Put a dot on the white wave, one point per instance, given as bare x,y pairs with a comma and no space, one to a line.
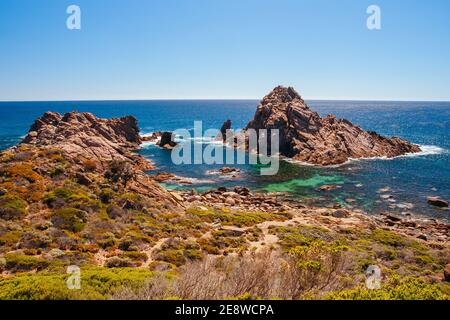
147,144
147,134
199,140
426,150
180,180
429,150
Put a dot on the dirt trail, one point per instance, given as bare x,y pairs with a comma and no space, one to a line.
149,252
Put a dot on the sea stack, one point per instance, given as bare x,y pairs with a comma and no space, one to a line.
307,137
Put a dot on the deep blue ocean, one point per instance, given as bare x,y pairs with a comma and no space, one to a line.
409,179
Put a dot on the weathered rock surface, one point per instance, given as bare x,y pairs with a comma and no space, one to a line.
84,137
305,136
101,145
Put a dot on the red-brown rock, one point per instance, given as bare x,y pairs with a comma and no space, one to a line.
305,136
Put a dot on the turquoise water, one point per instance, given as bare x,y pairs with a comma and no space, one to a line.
409,179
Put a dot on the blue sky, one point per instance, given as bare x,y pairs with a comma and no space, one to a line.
175,49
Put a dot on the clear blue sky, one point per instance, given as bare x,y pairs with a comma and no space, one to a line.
151,49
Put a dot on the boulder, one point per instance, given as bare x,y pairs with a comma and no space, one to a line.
340,213
329,187
230,201
228,170
437,202
167,140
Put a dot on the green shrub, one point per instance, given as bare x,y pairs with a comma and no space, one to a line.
117,262
395,289
12,208
96,283
388,238
19,262
70,219
134,256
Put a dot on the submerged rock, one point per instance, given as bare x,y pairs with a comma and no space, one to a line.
437,202
329,187
228,170
305,136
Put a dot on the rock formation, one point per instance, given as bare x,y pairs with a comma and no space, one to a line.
84,137
162,139
167,140
103,146
305,136
223,130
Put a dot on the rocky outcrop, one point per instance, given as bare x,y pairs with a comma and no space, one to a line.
167,140
223,130
305,136
85,138
162,139
103,146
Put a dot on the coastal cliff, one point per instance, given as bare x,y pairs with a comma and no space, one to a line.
307,137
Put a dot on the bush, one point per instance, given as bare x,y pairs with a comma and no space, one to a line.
90,165
70,219
395,289
136,257
96,283
119,171
115,212
12,208
316,266
106,195
116,262
34,240
388,238
19,262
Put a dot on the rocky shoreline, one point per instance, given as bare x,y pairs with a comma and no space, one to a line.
241,198
75,192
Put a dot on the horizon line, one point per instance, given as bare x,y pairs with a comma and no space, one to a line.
215,99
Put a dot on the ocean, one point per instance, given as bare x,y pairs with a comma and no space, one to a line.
399,185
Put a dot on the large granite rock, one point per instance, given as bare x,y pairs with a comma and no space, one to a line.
84,137
91,144
305,136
